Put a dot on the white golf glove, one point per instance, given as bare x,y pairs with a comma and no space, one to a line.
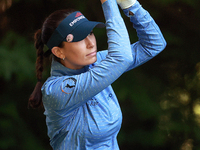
126,3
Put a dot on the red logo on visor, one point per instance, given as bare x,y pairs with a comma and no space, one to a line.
78,14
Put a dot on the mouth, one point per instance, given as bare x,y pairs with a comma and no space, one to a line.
92,54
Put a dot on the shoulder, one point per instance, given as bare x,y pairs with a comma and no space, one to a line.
56,91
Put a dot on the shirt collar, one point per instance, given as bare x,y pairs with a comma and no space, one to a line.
57,69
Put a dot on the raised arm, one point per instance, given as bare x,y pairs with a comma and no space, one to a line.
151,41
89,83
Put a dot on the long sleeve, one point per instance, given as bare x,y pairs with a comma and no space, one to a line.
88,84
82,111
151,41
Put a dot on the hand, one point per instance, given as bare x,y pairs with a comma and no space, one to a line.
126,3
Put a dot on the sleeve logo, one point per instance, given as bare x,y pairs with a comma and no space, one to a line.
68,85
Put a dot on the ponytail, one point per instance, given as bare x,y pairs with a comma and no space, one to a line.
35,99
41,37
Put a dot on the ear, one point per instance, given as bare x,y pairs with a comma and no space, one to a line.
57,52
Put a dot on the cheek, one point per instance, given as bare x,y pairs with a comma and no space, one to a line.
76,55
72,50
95,41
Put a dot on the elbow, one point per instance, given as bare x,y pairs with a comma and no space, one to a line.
127,58
164,44
121,54
124,60
160,45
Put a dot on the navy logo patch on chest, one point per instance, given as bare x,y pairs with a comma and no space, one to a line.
68,85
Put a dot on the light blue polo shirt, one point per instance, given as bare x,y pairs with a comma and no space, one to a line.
81,108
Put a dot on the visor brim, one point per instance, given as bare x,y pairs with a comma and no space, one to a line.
82,31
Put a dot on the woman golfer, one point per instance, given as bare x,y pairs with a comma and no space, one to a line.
82,111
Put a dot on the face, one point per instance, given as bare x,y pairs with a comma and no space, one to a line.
79,54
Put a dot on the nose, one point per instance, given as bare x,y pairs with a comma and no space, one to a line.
89,41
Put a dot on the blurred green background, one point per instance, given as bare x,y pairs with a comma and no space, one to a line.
160,100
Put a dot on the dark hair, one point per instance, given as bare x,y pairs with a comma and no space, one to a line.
41,38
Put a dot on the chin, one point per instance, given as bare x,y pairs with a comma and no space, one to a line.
92,61
95,59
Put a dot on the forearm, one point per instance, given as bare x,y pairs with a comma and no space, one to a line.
151,41
118,38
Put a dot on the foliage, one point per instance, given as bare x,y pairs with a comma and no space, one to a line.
16,58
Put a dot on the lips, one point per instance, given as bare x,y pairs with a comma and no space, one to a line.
92,53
